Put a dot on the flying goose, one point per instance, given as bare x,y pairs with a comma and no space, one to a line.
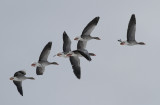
18,77
85,36
131,33
43,62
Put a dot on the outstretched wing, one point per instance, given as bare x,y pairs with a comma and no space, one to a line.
85,54
131,29
66,43
75,62
45,52
90,26
81,45
19,86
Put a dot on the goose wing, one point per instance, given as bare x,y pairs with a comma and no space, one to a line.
19,73
131,29
66,43
81,45
85,54
40,70
90,26
19,86
45,52
75,62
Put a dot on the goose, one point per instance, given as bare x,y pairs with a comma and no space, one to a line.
131,33
85,36
43,62
18,77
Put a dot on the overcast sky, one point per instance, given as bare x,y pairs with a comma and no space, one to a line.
118,75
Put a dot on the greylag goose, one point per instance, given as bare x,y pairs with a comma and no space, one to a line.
85,36
43,62
18,77
131,33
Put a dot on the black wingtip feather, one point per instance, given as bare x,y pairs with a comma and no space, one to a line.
64,32
77,73
133,15
133,18
49,43
64,35
20,91
21,94
96,19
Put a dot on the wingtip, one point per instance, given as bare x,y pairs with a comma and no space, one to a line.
97,18
49,45
133,16
78,76
50,42
64,32
21,93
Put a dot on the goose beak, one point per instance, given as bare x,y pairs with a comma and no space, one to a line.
33,65
68,55
59,54
75,38
11,78
122,43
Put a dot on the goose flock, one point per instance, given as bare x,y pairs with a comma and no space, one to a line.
73,55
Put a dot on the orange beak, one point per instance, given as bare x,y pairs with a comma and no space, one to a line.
94,55
122,43
11,78
59,54
75,38
33,65
68,55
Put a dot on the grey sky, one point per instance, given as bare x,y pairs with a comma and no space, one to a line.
118,75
